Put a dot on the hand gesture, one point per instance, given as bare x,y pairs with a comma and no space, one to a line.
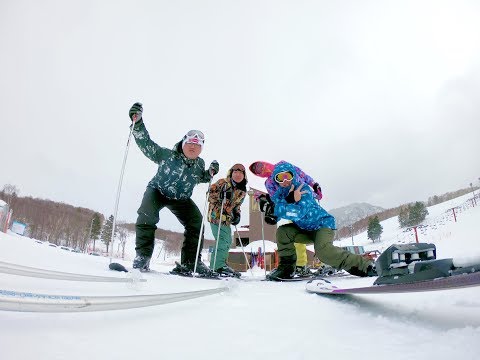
297,193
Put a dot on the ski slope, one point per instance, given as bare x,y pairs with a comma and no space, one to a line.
251,319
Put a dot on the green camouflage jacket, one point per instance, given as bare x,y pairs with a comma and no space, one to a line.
176,175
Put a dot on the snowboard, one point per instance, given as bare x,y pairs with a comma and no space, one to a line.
324,286
261,168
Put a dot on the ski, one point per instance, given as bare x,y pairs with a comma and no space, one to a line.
20,270
324,286
186,273
33,302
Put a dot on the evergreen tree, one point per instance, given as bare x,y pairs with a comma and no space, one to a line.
107,231
95,228
412,215
418,213
374,230
403,217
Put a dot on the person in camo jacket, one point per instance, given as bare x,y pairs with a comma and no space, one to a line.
230,192
179,170
292,199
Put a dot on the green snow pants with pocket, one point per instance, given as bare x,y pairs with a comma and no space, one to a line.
325,251
224,241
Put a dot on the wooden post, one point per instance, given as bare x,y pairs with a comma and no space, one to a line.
454,216
416,234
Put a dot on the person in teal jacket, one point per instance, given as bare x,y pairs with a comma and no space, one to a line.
179,170
292,199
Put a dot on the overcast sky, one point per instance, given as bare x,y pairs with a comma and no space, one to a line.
377,100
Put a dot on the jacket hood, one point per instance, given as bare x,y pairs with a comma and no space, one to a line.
285,166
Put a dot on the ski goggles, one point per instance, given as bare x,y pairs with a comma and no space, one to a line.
194,137
284,176
238,167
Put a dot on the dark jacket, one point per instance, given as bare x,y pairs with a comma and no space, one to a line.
176,175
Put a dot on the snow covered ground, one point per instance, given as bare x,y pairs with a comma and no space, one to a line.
252,319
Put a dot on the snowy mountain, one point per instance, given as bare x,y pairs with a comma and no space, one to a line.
350,214
267,319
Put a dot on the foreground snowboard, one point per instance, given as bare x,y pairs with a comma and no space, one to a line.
324,286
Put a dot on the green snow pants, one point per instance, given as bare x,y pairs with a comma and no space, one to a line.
224,241
148,216
325,251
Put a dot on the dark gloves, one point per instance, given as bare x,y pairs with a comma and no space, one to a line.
268,207
265,202
213,168
318,191
226,192
235,218
135,112
290,199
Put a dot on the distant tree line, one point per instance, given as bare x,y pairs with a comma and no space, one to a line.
76,227
47,220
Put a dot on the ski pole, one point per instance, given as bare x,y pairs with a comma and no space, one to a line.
243,250
262,218
119,189
201,227
218,233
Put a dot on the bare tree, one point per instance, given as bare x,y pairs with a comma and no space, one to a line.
122,233
10,192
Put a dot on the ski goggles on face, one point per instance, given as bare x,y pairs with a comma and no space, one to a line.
194,137
238,167
283,176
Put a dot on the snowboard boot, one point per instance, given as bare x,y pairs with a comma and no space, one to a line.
227,271
285,269
302,271
325,270
141,263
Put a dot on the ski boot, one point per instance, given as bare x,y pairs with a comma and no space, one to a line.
181,270
202,269
141,263
227,271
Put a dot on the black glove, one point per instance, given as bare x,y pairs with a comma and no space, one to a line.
235,218
268,207
136,109
226,192
318,191
269,217
264,201
290,197
213,168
